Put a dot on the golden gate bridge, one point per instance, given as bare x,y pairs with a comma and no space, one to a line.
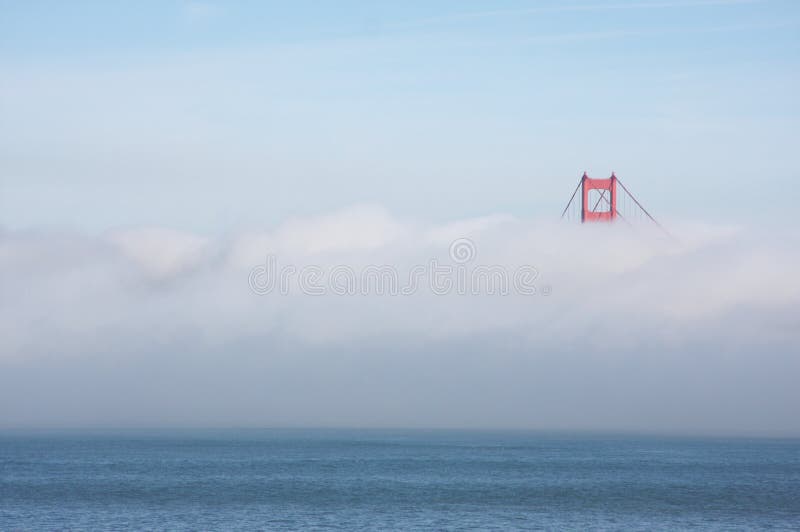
606,200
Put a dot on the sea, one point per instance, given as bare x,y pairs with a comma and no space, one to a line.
326,479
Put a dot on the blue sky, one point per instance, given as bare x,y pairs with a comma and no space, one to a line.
213,117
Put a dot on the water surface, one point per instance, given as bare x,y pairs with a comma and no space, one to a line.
379,479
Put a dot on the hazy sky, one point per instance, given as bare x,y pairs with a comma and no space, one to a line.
211,117
152,154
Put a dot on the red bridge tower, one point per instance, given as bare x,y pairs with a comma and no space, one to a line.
607,195
600,202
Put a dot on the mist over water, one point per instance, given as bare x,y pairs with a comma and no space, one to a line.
626,329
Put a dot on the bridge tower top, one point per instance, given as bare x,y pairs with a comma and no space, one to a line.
600,205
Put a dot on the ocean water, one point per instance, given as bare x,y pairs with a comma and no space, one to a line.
380,479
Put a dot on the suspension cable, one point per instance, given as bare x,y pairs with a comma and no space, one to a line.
643,209
573,197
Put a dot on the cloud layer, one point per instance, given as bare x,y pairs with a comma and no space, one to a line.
628,330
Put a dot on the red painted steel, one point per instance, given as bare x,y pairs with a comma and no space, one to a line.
589,213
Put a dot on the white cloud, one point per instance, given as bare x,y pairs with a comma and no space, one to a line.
168,298
596,274
160,252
